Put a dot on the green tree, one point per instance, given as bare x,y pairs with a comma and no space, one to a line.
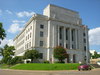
95,56
16,60
60,53
2,32
31,54
7,53
1,52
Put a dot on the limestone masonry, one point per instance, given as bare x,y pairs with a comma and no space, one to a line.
57,26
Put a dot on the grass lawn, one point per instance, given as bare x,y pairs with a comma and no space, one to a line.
43,66
4,66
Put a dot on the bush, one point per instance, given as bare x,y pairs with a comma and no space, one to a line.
46,61
31,54
60,62
16,60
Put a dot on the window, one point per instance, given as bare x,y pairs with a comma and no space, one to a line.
27,45
41,33
84,40
41,55
41,26
41,43
60,44
84,48
84,34
26,38
66,34
30,35
66,45
31,27
60,32
72,35
72,46
30,44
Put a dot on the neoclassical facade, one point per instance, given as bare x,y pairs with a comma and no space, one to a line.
57,26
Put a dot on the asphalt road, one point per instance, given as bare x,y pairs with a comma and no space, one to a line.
25,72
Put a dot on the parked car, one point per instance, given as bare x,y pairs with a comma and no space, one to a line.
98,62
84,67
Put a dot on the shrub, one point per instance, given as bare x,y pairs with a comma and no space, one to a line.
31,54
46,61
16,60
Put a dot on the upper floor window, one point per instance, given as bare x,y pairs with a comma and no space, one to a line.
84,40
66,34
41,26
41,33
72,35
31,27
60,33
84,34
41,43
30,35
84,48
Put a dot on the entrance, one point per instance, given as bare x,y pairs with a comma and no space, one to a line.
68,61
74,58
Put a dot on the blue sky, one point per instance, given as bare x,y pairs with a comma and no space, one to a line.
15,13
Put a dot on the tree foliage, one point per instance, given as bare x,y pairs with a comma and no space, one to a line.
95,56
2,32
7,53
60,53
16,60
31,54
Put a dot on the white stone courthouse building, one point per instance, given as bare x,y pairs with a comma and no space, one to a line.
57,26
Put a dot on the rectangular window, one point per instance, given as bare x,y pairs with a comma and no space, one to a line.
60,32
84,34
41,43
66,45
26,38
84,40
41,33
41,55
30,44
72,35
60,44
84,48
66,34
72,46
41,26
30,35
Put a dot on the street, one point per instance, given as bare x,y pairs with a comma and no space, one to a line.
26,72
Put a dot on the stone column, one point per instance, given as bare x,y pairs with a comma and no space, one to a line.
58,36
70,34
48,41
87,46
64,37
71,58
76,38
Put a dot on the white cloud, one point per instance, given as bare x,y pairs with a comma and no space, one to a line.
25,13
14,28
94,36
9,12
0,12
17,21
17,25
6,41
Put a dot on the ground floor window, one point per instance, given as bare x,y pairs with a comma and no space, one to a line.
41,55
